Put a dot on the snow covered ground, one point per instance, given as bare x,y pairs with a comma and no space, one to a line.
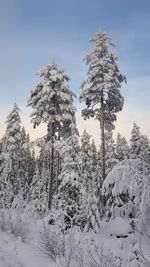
82,249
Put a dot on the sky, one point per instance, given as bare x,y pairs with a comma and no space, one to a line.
34,33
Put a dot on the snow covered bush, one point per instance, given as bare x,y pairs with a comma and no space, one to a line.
123,189
50,243
99,258
59,247
16,220
136,257
12,221
119,227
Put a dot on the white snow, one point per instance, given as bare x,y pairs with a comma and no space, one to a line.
119,227
16,253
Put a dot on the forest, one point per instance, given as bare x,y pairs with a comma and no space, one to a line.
79,204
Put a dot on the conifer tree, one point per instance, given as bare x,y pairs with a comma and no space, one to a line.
1,156
70,186
12,151
122,148
90,187
124,187
101,92
135,142
86,160
140,147
110,160
52,103
145,153
39,194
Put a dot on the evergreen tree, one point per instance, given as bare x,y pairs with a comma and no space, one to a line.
101,89
39,194
27,164
89,181
1,156
70,187
52,103
110,160
86,161
145,153
6,187
140,147
135,142
124,187
122,148
12,151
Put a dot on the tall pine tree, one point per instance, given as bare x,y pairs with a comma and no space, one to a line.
52,103
101,92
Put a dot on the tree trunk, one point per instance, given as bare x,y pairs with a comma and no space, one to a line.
58,165
102,138
102,198
51,181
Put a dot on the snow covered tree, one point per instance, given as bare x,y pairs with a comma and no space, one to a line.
12,151
144,225
52,103
101,92
135,142
28,163
110,160
124,188
145,153
6,187
90,188
38,192
1,157
69,190
121,149
140,147
86,160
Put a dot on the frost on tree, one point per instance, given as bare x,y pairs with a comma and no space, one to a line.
89,178
135,142
13,171
145,208
69,189
52,103
123,188
122,148
86,159
101,92
140,147
38,191
28,163
51,99
110,160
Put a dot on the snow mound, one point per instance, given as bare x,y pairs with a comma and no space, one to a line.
119,227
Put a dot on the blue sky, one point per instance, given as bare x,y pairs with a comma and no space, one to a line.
34,33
